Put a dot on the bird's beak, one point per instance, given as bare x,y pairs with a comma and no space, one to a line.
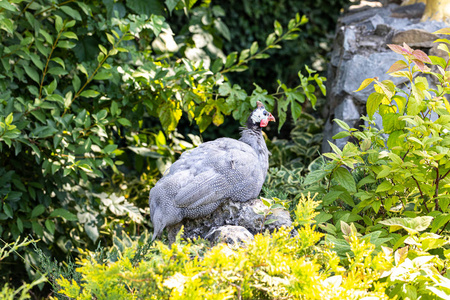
271,118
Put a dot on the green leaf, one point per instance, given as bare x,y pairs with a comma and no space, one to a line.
9,119
314,177
19,224
373,102
296,109
432,243
57,71
31,72
76,83
110,148
342,124
278,28
439,221
6,5
222,28
103,75
37,211
8,210
270,39
231,59
217,65
71,12
111,39
58,23
52,87
124,122
341,135
66,44
7,24
171,4
37,61
63,213
37,228
50,226
345,179
412,225
89,94
376,205
254,48
384,186
70,35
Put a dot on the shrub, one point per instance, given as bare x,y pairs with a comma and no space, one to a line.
401,169
270,267
90,93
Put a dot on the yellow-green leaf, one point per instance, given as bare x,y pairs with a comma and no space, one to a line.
364,84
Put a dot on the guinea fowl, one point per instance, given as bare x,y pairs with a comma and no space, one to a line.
204,177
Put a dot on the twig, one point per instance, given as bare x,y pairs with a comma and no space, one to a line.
421,194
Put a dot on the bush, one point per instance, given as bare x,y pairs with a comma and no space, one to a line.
271,267
400,170
90,97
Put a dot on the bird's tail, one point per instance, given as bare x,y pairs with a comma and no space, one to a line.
157,219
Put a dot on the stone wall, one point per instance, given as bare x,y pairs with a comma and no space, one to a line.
360,52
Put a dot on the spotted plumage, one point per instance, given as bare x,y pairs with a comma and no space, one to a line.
202,178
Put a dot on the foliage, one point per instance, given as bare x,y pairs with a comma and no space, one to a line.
401,169
270,267
22,292
91,95
311,48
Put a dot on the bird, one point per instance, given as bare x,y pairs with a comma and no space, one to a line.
204,177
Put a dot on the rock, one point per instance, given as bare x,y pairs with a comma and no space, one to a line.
346,111
230,234
355,17
351,74
414,38
413,11
382,29
242,214
437,52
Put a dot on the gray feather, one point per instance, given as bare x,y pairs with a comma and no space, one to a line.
202,178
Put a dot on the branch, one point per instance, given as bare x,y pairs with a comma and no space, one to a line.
421,194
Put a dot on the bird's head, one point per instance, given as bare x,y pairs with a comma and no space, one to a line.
259,118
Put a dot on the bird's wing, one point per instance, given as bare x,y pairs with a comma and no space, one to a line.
211,172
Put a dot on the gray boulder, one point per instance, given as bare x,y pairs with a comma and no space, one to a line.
360,51
248,215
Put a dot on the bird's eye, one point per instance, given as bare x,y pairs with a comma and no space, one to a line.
266,113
